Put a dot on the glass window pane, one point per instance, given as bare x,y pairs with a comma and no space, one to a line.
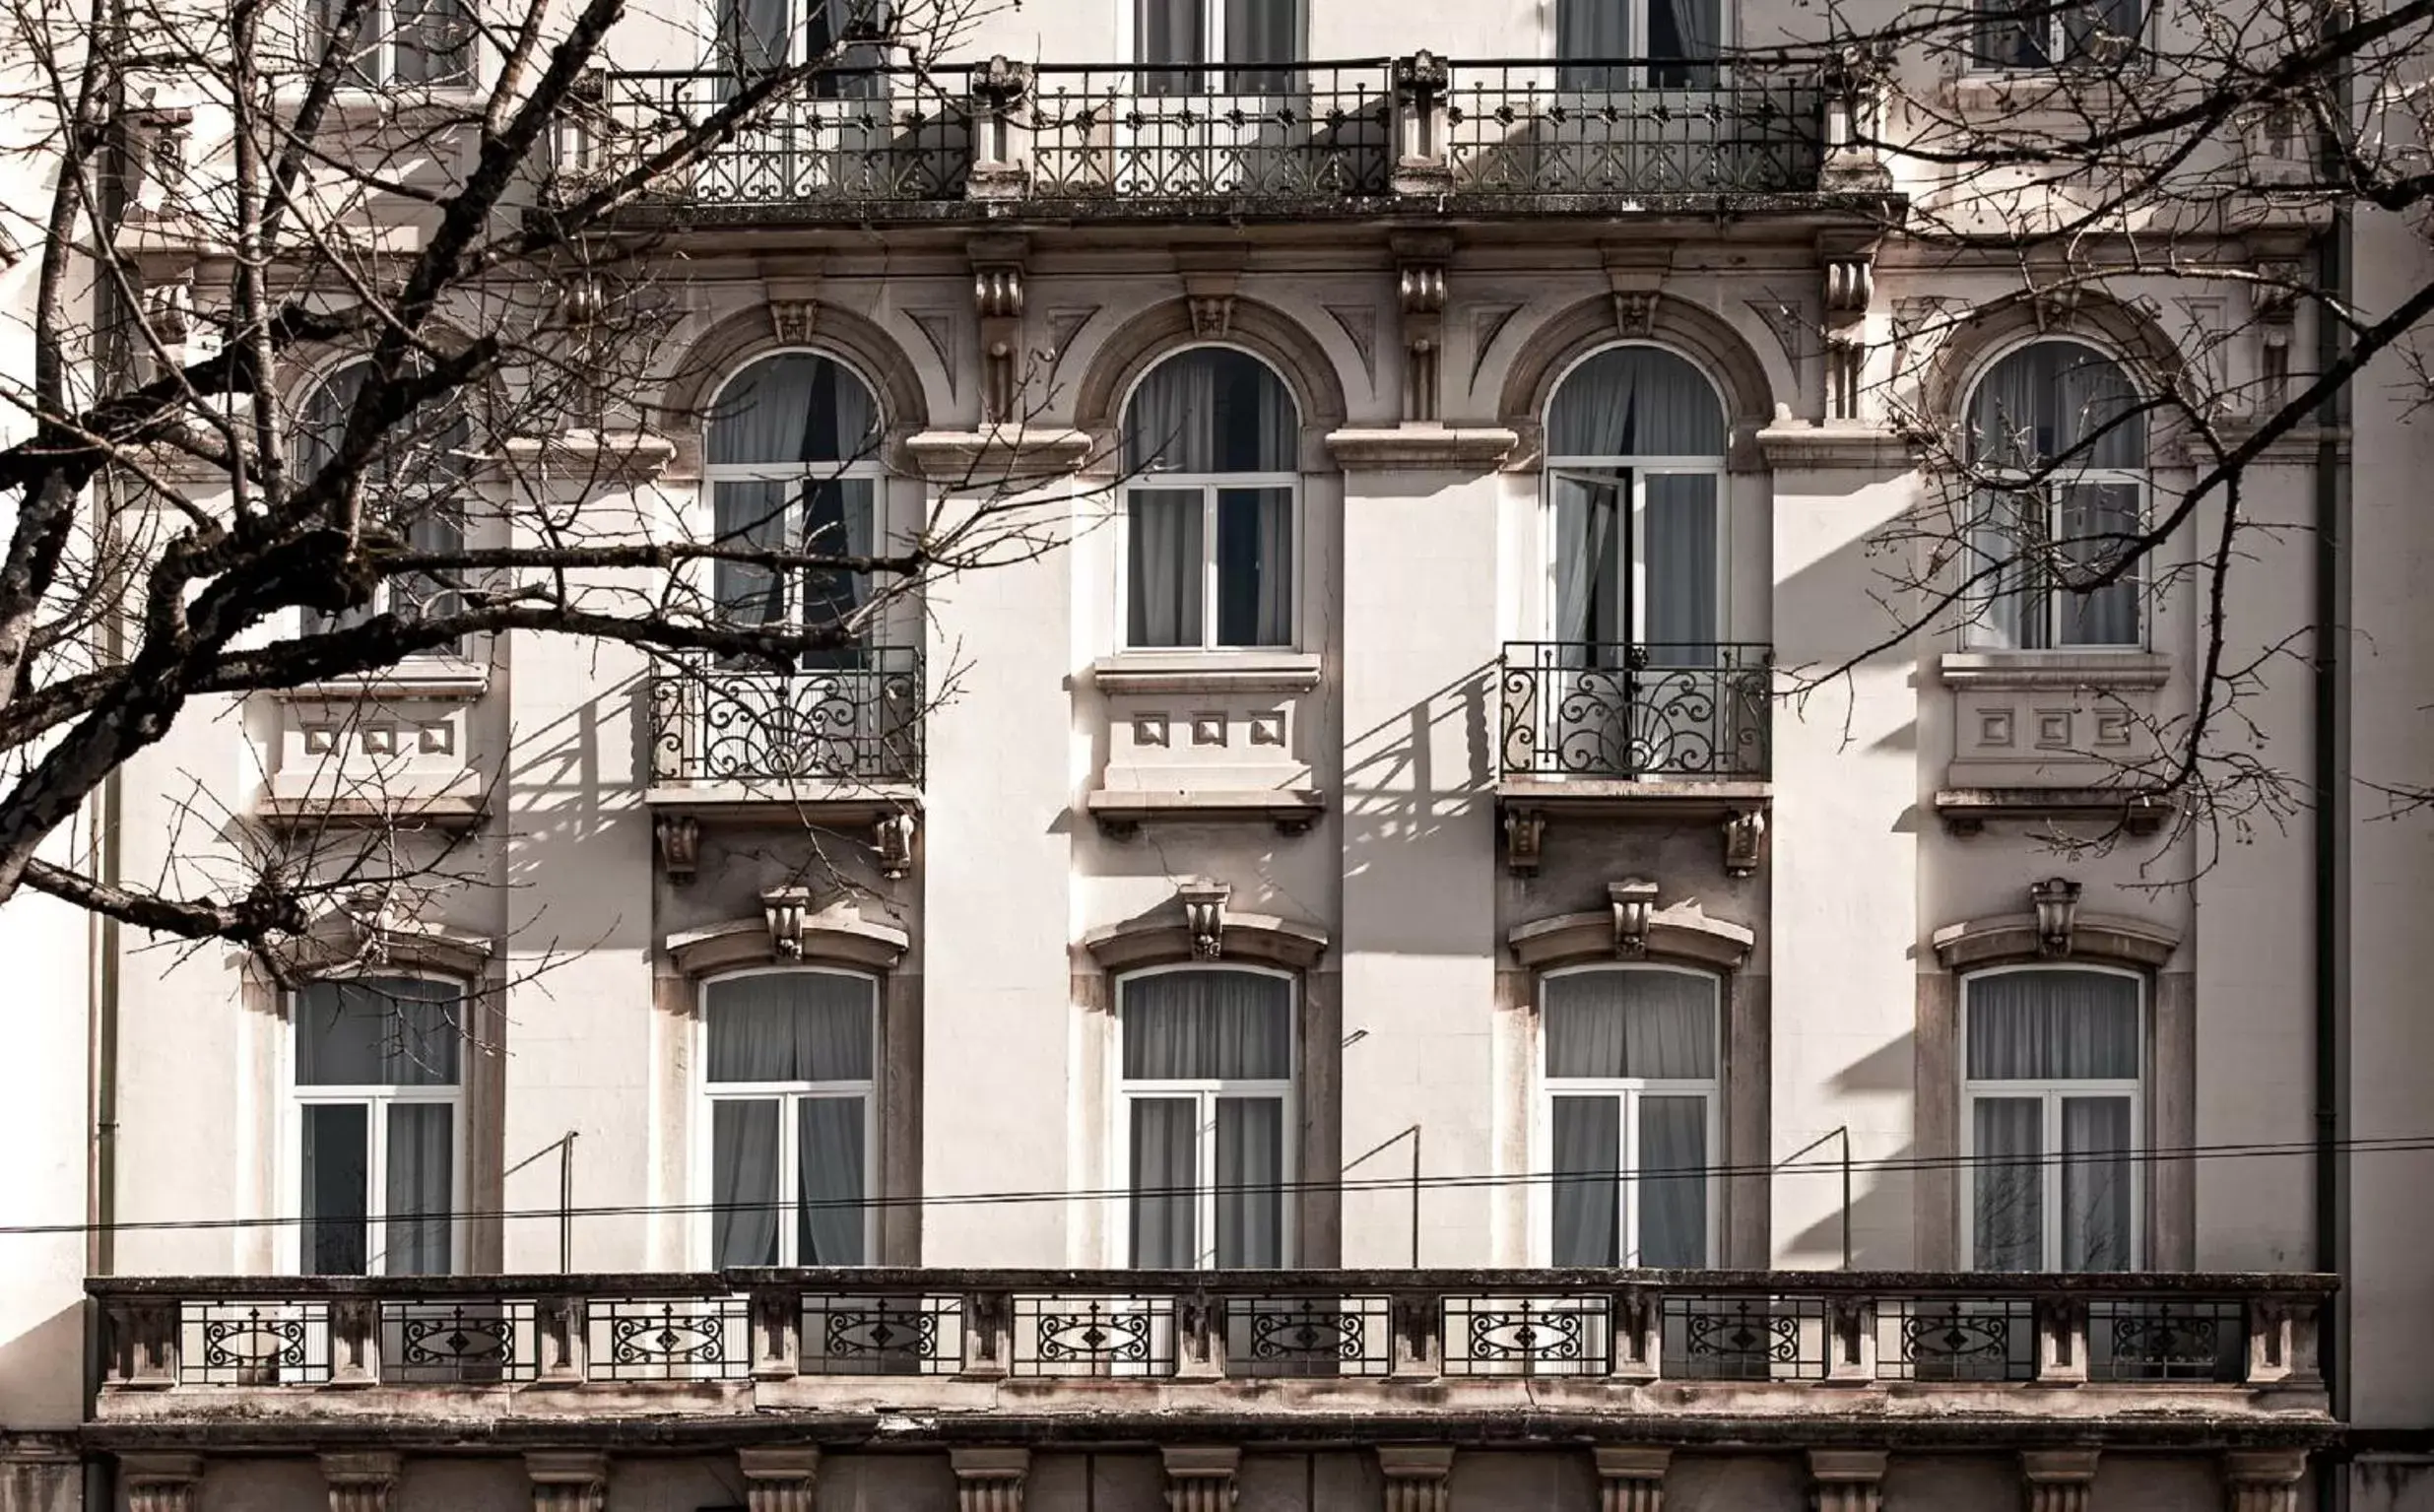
1588,1182
1250,1172
793,408
1679,611
750,514
2005,561
1165,1176
2095,1193
837,516
1163,554
1589,552
790,1027
2098,521
1206,1025
1636,402
1255,567
421,1188
378,1031
337,1188
744,1178
2009,1183
829,1220
2047,400
1654,1025
2053,1025
1211,409
1673,1209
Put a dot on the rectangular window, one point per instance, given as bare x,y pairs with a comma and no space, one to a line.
1633,44
1632,1097
790,1077
378,1094
1189,549
1177,33
405,43
1206,1089
2011,34
811,517
2055,1086
2036,544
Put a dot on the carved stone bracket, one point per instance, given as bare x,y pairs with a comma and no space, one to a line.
1637,277
1203,914
1632,901
359,1482
1849,280
2276,304
1417,1475
1420,264
1201,1479
567,1481
1847,1479
788,911
2056,902
1632,1479
997,299
680,845
1524,841
891,838
2262,1480
1744,841
1209,294
2058,1478
989,1479
161,1483
779,1480
792,321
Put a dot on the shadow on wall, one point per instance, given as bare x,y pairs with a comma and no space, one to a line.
1881,1219
44,1368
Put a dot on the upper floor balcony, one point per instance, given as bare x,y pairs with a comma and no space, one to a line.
1364,137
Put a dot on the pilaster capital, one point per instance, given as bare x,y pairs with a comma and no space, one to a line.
989,1478
1631,1477
359,1482
1848,1480
1198,1479
567,1480
1417,1475
2058,1478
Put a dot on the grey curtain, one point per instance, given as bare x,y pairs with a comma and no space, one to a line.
753,34
1636,402
1680,530
1166,1177
1250,1170
1646,1024
1591,32
421,1169
431,43
829,1222
2095,1189
411,484
337,1189
1162,567
1255,567
1672,1181
2053,1025
2008,1140
744,1172
1659,1026
1206,1025
1210,410
2097,520
1169,32
795,411
796,407
791,1026
1262,32
378,1031
2037,407
1587,1181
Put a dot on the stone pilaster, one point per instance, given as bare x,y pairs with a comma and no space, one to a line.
778,1479
2058,1478
1417,1475
359,1482
1201,1479
1632,1479
160,1482
567,1481
2262,1480
989,1479
1847,1479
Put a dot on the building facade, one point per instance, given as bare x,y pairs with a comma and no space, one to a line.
1349,980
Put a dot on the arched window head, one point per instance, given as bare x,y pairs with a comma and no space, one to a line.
1630,1091
412,483
2058,450
1206,1083
1636,402
1210,438
789,1071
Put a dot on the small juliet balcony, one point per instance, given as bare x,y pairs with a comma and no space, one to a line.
1419,134
1975,1359
836,743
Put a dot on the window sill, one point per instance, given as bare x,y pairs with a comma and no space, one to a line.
1205,672
432,677
2070,87
420,104
2021,670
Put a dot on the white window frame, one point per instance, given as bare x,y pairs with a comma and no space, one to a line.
375,1098
789,1095
2059,54
2054,1092
1630,1089
1207,1092
1210,485
375,65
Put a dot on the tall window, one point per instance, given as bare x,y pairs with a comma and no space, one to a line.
2059,443
414,485
793,462
789,1077
1209,443
1635,440
756,37
2053,1089
1623,44
404,43
378,1098
1207,1094
1233,31
1630,1090
2037,33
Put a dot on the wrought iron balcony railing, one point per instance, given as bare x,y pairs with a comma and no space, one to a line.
858,721
1361,136
1580,1331
1646,709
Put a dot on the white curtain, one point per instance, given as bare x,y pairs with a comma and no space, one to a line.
2039,404
1210,410
794,410
378,1031
829,1222
1163,554
1655,1025
2008,1140
794,1027
790,1027
1204,1025
1250,1167
2095,1192
337,1188
1255,567
2096,519
792,407
421,1165
1165,1175
1588,1182
1209,1024
1590,31
2053,1025
1672,1181
744,1173
1636,402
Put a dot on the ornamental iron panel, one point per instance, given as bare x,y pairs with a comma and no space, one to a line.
254,1341
2159,1340
1745,1338
458,1342
1633,127
669,1339
882,1335
1529,1335
1956,1338
1636,710
1307,1336
1308,132
1092,1336
856,722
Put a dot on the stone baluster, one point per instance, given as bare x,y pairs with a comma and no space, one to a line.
1000,166
989,1479
558,1329
2262,1480
988,1317
160,1482
779,1480
2062,1339
567,1481
1639,1334
1417,1475
359,1482
776,1314
1422,166
1632,1479
1850,1338
1847,1479
1201,1479
355,1341
1414,1323
2058,1478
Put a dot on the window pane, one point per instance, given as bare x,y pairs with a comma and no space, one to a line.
1673,1209
2090,29
1255,567
2053,1025
337,1188
744,1175
422,1183
793,408
378,1031
1250,1170
2097,520
2009,1205
837,516
1162,567
1206,1025
1168,31
1655,1024
790,1027
1587,1187
1682,30
2009,35
748,514
2005,562
431,41
2054,399
1592,31
1636,402
1261,31
1679,611
1589,552
2095,1193
829,1220
1164,1177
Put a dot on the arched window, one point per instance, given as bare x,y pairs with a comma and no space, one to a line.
1629,1111
1206,1097
414,483
2057,442
2053,1062
793,462
379,1097
789,1065
1210,444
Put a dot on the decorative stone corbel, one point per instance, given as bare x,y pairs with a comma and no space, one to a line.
1637,277
2276,305
2058,1478
989,1479
2057,903
1847,1479
788,911
1203,914
358,1483
1417,1475
892,836
567,1481
1744,841
680,845
779,1480
997,299
161,1483
1850,277
794,307
1525,837
1632,1479
160,162
2262,1480
1632,901
1421,260
1201,1479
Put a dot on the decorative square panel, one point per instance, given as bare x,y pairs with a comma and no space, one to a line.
435,738
381,740
2112,727
1149,730
320,740
1207,729
1267,729
1994,727
2053,729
